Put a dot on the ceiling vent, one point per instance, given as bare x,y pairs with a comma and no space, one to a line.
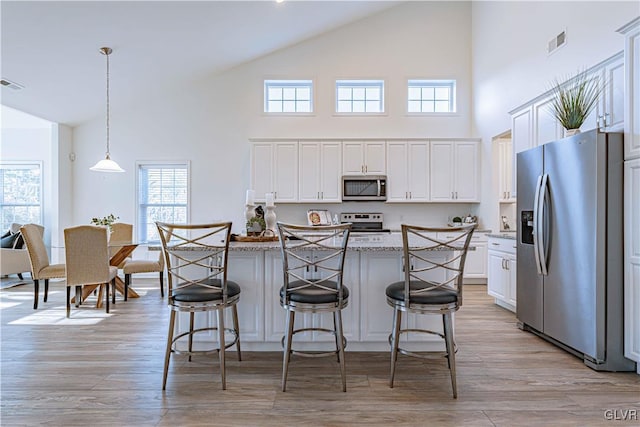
11,85
557,42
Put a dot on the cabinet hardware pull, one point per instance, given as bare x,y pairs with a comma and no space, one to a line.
366,169
495,244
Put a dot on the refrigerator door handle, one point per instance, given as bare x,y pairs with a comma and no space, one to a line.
536,216
542,256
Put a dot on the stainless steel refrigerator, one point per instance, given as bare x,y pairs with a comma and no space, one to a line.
570,246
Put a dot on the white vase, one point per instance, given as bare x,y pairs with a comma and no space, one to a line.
270,221
571,132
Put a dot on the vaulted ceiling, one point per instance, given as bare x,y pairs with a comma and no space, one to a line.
51,48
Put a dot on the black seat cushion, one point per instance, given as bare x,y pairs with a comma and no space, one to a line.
314,295
196,293
437,296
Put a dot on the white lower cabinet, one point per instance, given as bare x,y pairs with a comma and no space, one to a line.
247,270
632,260
501,271
475,266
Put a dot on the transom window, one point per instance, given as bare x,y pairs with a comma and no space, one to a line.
360,96
431,96
288,96
163,195
21,193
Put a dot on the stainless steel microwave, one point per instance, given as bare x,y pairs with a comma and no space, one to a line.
364,187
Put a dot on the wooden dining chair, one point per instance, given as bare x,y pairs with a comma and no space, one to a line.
39,259
87,261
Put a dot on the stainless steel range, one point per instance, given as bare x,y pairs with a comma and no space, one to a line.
364,222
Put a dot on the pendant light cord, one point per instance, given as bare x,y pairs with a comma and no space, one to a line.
107,55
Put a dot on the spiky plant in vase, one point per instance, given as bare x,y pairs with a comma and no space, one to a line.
574,99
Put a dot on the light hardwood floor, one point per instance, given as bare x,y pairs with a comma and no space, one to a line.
95,369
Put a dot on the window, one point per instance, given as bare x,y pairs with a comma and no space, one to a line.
288,96
432,96
163,195
21,193
360,96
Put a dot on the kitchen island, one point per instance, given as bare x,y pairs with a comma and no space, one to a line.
373,261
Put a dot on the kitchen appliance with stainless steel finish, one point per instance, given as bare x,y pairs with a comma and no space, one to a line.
570,245
364,222
364,188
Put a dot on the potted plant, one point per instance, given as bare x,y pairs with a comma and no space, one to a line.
574,100
105,221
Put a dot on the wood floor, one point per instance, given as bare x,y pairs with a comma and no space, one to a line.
99,370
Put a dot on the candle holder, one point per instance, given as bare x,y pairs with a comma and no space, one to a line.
270,221
249,212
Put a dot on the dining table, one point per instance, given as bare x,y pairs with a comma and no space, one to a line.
123,251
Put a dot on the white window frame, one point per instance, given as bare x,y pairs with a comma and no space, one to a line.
291,83
165,164
16,165
353,83
431,83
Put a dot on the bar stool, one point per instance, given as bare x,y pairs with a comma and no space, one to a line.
313,284
196,259
430,286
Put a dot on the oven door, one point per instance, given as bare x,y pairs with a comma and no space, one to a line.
364,188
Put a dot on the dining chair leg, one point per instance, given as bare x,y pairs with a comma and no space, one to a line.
162,284
78,296
20,276
339,334
335,334
127,280
451,354
106,295
113,291
35,293
395,337
236,327
223,372
191,321
46,289
167,355
287,347
68,301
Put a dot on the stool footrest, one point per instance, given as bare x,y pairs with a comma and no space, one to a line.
423,354
176,350
315,353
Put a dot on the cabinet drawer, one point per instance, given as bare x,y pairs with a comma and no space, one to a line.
504,245
475,238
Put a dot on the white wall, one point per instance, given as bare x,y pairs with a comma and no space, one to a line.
210,122
511,66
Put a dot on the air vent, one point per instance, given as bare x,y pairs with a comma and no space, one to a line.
11,85
557,42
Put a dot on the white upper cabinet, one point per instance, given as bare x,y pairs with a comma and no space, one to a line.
454,171
320,172
505,180
274,169
608,116
631,33
363,158
408,171
546,127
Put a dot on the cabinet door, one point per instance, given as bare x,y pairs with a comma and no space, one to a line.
475,266
397,173
466,168
522,138
613,96
547,128
331,172
261,170
247,270
496,277
418,171
510,264
352,158
441,173
374,158
632,102
504,170
309,172
632,259
285,172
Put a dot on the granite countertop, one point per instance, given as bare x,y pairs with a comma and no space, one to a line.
357,242
511,235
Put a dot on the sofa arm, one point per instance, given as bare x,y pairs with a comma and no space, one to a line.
13,261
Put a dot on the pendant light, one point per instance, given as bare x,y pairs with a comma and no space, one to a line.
107,165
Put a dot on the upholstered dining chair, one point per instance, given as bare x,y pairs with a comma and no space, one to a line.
39,259
121,232
87,261
312,283
134,266
196,257
431,285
